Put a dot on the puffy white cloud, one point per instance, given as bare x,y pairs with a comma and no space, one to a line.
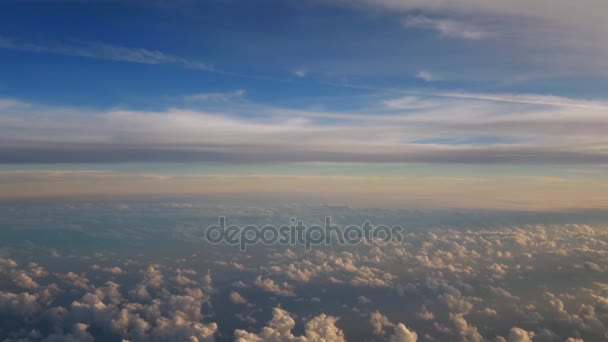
425,314
6,264
22,280
279,329
177,328
268,285
21,304
362,300
236,298
403,334
466,332
113,270
379,322
520,335
78,334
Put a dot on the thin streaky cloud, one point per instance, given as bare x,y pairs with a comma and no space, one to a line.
533,99
425,75
216,96
463,131
104,51
446,27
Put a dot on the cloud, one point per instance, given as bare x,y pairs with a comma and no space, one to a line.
406,103
268,285
446,27
279,329
555,12
78,334
113,270
300,72
533,99
105,51
403,334
22,280
236,298
551,38
400,332
444,263
519,335
379,323
22,304
425,314
425,75
439,127
464,330
217,97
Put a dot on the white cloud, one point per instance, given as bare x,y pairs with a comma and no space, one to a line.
425,314
425,75
463,329
99,50
218,97
527,128
22,304
520,335
279,329
268,285
300,72
113,270
22,280
78,333
446,27
236,298
401,333
379,323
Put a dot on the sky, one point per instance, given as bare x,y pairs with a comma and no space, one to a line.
465,103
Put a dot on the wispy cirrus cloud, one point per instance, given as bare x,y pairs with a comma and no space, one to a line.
426,75
216,96
300,72
446,27
449,128
98,50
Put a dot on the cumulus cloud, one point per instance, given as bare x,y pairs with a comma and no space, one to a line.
236,298
403,334
22,304
269,285
520,335
279,329
425,314
22,280
78,333
113,270
464,330
447,275
400,333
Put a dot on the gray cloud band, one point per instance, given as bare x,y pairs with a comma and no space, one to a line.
91,153
298,234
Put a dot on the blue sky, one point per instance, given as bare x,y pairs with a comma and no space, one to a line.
261,46
512,88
